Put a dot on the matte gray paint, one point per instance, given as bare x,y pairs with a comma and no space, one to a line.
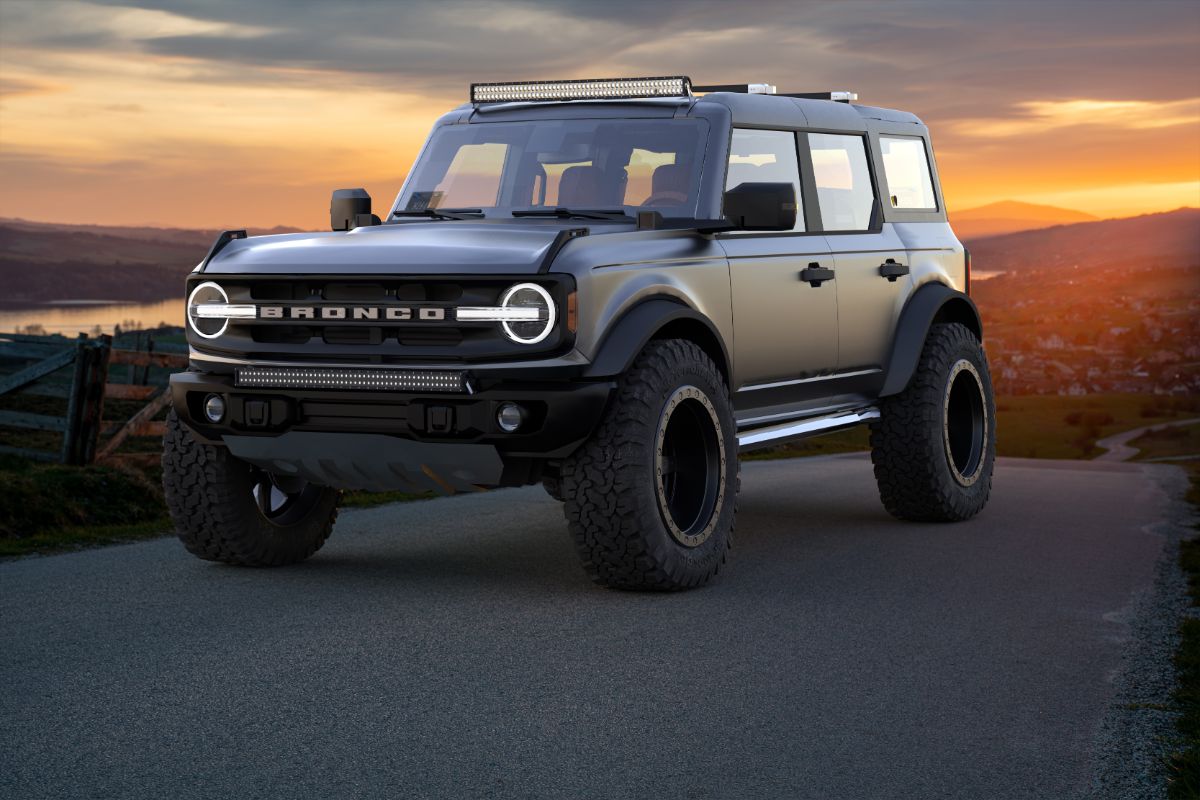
774,326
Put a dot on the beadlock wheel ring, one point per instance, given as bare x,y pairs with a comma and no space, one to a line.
689,466
965,423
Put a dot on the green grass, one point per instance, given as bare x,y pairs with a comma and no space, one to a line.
1184,765
1169,442
48,508
76,538
1050,426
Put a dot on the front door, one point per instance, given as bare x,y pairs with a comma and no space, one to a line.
784,328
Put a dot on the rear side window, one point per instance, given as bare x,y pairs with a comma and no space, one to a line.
907,168
843,180
765,157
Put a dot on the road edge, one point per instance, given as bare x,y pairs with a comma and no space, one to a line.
1137,733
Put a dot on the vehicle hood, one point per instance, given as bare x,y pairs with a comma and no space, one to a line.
441,247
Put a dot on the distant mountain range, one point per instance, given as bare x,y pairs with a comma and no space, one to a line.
48,262
44,262
1172,237
1009,216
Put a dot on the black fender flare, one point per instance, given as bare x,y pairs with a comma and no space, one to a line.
632,330
933,302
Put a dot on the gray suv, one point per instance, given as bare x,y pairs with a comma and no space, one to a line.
610,287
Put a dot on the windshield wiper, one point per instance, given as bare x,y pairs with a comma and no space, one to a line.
441,213
572,213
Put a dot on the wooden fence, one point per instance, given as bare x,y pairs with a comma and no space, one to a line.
83,373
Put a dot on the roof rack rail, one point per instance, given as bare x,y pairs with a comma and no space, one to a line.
738,88
839,96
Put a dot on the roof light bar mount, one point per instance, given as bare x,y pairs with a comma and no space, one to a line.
583,89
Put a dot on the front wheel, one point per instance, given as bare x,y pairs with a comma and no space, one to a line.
227,510
934,444
650,498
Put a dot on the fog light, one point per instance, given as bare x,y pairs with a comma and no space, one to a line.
509,417
214,408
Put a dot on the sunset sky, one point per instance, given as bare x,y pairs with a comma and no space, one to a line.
227,113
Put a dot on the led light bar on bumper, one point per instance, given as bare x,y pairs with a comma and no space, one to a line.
381,380
590,89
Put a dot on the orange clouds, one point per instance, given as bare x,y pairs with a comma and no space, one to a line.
126,115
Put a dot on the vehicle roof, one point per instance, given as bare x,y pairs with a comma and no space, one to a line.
745,109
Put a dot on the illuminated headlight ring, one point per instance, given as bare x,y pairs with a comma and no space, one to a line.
520,293
207,292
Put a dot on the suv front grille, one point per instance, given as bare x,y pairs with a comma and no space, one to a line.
429,333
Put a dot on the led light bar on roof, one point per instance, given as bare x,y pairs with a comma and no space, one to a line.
382,380
591,89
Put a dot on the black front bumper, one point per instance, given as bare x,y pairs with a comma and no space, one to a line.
380,440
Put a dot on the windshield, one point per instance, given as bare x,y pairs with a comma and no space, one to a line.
618,164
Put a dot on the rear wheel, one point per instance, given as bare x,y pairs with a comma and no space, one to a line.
934,444
651,496
227,510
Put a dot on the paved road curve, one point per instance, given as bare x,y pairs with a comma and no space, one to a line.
1117,447
453,649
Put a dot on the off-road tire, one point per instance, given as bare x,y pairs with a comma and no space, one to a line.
210,496
615,506
918,474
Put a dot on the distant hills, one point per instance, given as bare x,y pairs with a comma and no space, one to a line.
48,262
1172,237
1009,216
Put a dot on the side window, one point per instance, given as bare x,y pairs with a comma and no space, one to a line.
843,180
765,157
907,170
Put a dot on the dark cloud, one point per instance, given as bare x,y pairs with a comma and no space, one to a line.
946,59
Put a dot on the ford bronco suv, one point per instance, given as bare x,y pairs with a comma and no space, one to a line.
610,287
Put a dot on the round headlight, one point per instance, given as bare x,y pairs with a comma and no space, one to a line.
529,295
205,293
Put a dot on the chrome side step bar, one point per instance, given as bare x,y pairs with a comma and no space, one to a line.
776,434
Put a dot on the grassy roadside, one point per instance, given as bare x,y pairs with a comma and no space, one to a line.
1184,764
47,508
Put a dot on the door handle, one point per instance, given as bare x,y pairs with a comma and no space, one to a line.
891,270
814,274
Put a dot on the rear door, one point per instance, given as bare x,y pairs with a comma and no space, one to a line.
784,328
868,255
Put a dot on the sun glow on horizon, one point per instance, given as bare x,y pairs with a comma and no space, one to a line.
130,134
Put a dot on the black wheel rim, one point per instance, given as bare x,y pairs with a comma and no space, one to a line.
965,423
690,466
280,500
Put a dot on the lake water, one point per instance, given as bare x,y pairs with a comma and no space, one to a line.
71,318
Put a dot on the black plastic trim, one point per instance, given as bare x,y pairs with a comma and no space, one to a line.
223,238
926,305
629,335
560,240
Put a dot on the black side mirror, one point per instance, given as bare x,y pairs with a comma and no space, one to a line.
761,206
350,209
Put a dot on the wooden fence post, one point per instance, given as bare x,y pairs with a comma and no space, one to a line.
93,414
71,452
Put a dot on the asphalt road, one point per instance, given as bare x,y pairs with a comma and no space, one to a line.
453,648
